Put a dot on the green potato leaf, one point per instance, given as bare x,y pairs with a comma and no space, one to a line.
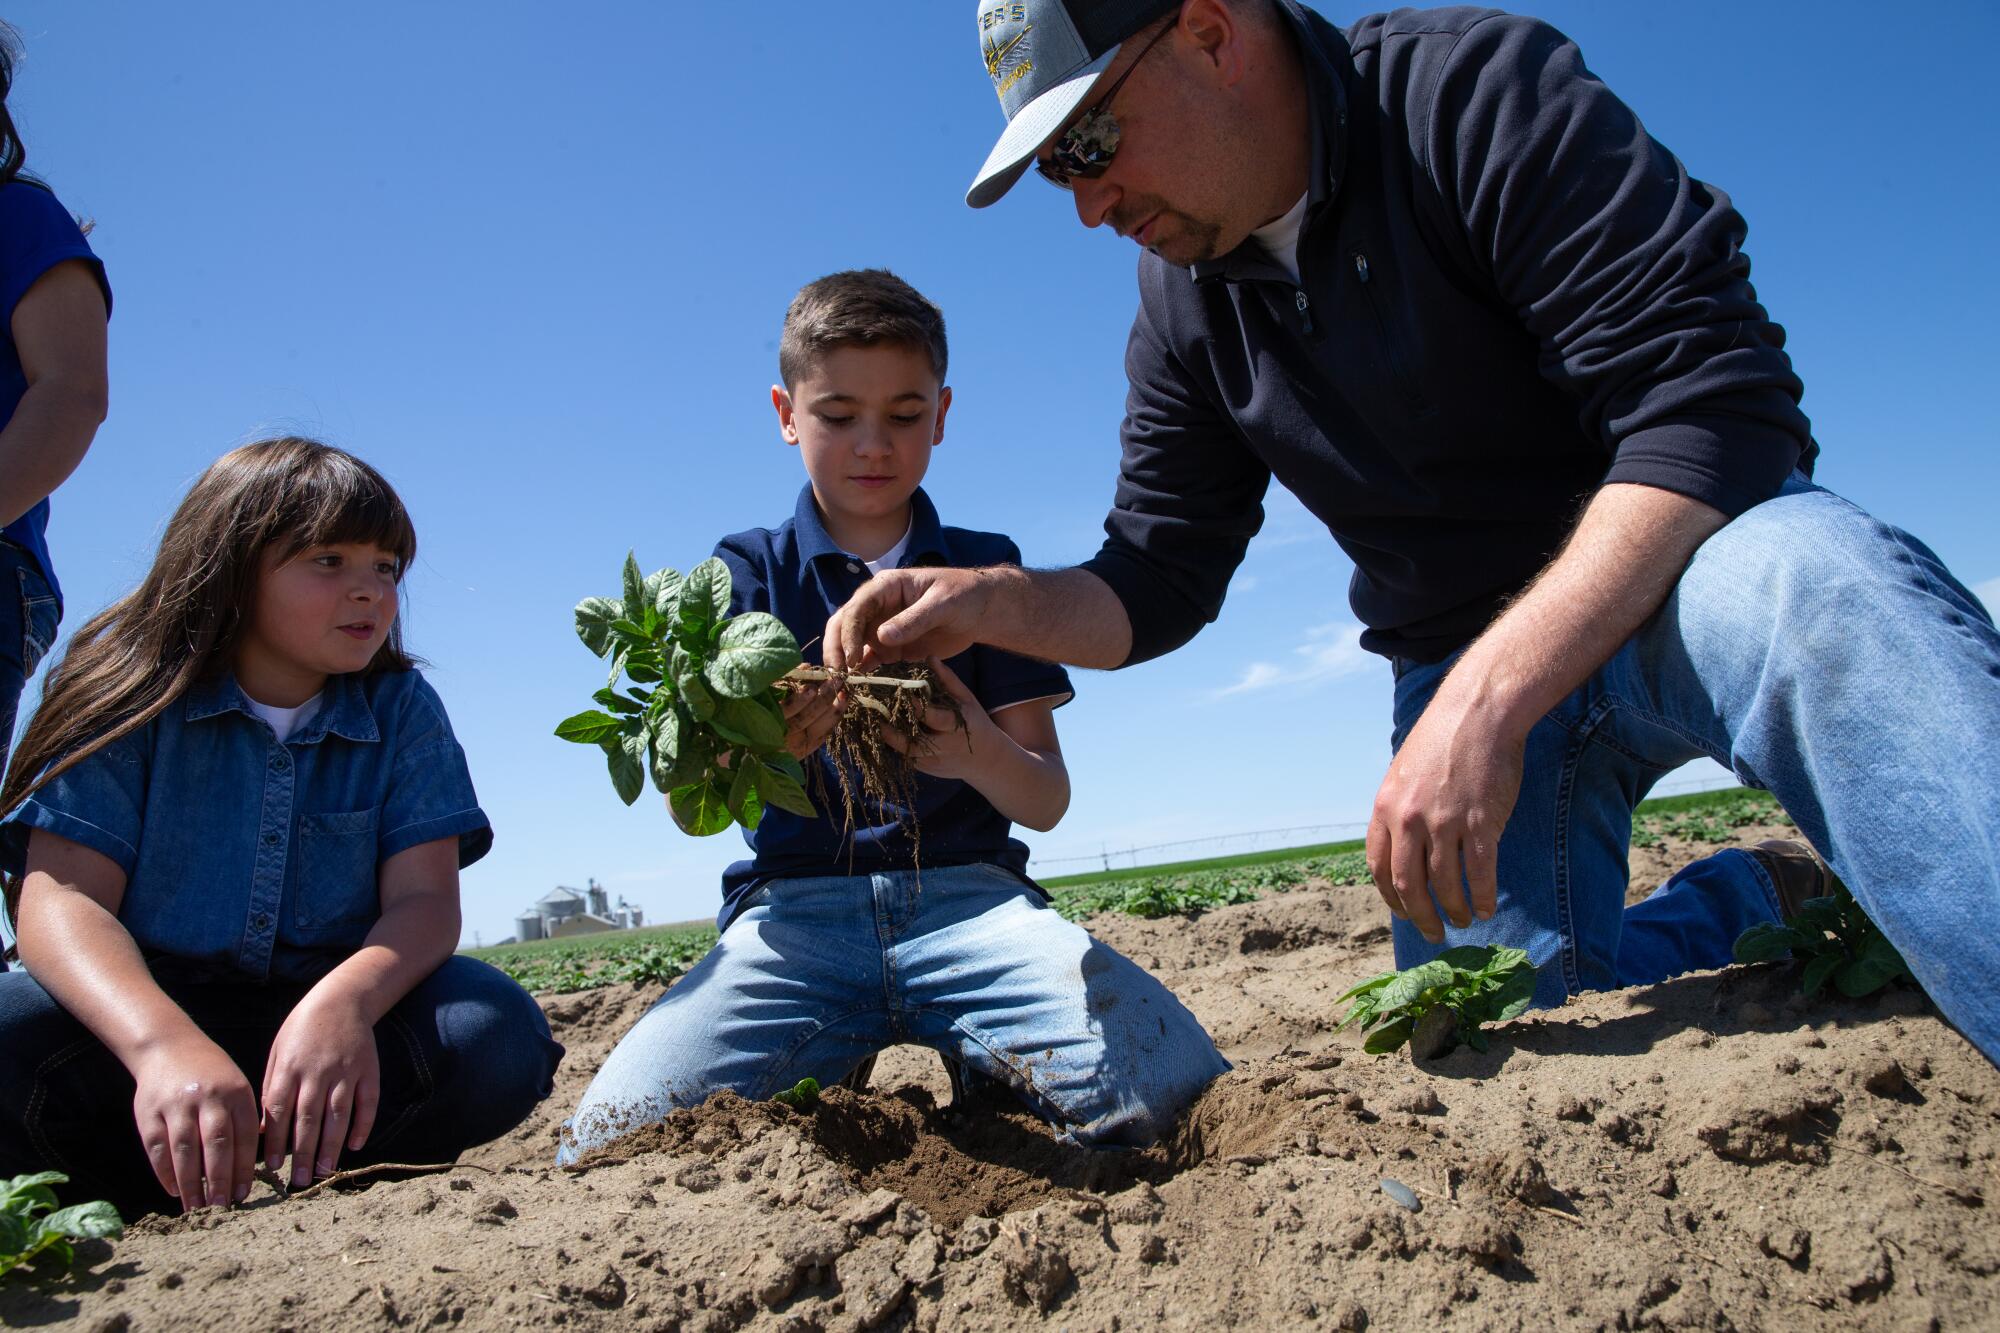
1820,970
1385,1039
635,587
1516,992
746,722
85,1221
705,594
628,767
617,702
754,651
742,799
13,1235
588,728
1763,942
659,590
1410,985
594,616
699,809
778,787
699,701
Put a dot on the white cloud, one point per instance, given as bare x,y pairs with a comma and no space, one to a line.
1328,653
1989,593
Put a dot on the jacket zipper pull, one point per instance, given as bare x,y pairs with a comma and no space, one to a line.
1361,266
1305,308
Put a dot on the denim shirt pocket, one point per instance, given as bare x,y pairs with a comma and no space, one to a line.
337,866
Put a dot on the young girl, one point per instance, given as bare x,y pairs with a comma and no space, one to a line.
234,831
53,306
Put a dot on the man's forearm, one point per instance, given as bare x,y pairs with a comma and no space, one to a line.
1626,555
1057,615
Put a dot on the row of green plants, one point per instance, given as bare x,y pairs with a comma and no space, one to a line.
1712,820
601,960
1201,890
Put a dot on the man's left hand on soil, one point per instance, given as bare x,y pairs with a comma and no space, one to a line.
1438,816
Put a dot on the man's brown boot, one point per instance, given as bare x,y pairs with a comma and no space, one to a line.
1796,871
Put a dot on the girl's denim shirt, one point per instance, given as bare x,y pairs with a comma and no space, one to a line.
244,856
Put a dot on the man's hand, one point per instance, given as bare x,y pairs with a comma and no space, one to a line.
322,1086
1438,818
197,1120
903,614
1440,812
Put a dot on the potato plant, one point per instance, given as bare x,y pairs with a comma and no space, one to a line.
1835,941
700,715
33,1230
1436,1005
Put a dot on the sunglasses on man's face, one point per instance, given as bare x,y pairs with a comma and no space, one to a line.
1086,148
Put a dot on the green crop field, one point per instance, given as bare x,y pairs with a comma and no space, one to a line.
661,953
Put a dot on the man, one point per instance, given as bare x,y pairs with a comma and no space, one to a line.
1437,279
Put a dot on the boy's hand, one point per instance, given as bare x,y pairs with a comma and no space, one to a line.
197,1119
947,750
811,710
321,1086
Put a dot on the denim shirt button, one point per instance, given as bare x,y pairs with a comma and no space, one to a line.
270,840
261,921
281,761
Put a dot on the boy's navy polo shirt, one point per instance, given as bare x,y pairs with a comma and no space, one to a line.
800,575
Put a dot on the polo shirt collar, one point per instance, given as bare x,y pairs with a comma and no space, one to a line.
815,542
343,708
1325,56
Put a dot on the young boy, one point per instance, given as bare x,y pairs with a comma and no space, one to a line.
833,945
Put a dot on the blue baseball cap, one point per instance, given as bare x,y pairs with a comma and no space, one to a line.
1043,57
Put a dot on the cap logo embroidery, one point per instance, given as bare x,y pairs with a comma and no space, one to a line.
998,54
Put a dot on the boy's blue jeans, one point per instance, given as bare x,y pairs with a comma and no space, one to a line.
1822,655
465,1056
814,975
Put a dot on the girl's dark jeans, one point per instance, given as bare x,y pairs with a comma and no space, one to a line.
464,1058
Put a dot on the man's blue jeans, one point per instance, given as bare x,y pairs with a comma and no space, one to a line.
814,975
28,617
29,614
1822,655
464,1058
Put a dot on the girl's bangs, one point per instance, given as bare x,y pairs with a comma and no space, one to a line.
341,501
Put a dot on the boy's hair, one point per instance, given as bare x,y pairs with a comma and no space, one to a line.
182,623
857,308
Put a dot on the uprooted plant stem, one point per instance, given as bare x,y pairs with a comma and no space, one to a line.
873,775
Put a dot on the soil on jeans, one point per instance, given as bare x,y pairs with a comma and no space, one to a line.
1712,1152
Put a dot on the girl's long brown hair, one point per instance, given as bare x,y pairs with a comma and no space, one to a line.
181,625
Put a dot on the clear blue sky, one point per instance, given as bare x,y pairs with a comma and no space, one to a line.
531,260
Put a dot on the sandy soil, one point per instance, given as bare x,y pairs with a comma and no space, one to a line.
1712,1152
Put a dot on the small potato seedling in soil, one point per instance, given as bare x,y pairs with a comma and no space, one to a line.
1835,940
1437,1005
800,1096
34,1231
703,714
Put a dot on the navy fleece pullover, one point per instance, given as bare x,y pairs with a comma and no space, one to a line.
1509,295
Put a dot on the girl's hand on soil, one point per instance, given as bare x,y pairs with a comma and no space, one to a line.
811,710
946,749
197,1119
321,1086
